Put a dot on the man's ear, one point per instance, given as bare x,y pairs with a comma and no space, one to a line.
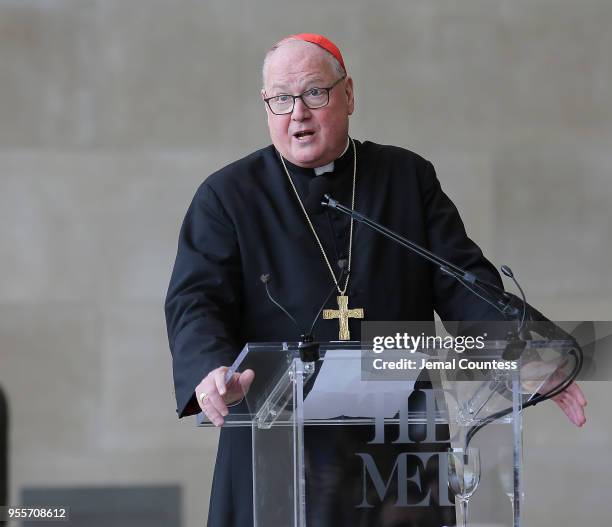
263,96
350,94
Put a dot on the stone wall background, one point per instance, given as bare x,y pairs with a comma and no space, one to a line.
112,113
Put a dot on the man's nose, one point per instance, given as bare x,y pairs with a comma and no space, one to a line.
300,110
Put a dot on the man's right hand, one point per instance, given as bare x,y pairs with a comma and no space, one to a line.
214,395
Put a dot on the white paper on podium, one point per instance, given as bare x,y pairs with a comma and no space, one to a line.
339,390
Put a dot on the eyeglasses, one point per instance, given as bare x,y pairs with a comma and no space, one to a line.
313,98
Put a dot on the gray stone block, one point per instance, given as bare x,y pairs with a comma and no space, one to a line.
51,374
555,67
94,227
138,401
47,67
468,181
553,218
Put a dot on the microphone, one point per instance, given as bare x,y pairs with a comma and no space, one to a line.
266,279
307,346
317,188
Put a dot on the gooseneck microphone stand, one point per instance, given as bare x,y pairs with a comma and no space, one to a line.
507,304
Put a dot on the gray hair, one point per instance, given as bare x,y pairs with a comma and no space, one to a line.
333,61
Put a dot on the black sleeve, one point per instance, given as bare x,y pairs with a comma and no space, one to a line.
203,303
447,238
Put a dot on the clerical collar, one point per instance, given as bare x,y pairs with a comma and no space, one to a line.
330,166
339,165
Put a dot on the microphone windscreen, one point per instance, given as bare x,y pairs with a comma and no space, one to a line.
318,187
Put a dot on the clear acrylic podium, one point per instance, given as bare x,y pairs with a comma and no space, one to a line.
344,441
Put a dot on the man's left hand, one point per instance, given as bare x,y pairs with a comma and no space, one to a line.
572,401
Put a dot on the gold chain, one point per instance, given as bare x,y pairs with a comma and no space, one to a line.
348,272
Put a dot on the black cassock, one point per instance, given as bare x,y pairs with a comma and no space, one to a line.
245,221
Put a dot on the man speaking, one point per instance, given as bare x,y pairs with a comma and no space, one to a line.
250,218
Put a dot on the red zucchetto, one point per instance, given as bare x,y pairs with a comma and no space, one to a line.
323,42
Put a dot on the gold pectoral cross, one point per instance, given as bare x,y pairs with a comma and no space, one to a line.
343,314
